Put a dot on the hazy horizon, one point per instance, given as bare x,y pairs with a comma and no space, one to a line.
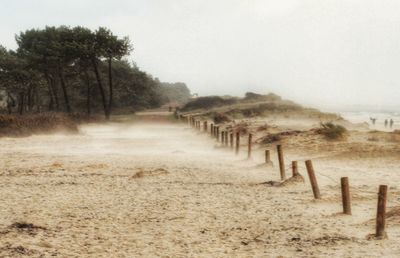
326,54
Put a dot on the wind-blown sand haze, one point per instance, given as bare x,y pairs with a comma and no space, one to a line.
147,190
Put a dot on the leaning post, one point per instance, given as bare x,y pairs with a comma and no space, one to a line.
281,162
313,179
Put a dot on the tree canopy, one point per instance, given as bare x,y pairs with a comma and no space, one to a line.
77,69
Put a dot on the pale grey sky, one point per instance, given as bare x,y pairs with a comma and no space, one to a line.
322,53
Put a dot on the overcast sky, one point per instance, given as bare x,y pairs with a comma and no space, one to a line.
322,53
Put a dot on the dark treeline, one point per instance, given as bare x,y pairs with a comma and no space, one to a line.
76,69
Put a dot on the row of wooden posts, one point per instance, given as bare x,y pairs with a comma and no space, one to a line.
222,136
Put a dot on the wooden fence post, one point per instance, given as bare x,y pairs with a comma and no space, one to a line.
217,136
344,181
295,169
268,157
205,126
281,162
237,142
313,179
381,212
226,138
249,146
211,129
222,137
231,139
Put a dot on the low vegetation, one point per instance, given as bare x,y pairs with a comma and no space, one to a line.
332,131
251,105
208,103
26,125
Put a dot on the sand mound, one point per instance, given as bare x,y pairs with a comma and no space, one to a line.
149,172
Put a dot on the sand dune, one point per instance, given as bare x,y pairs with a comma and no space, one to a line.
163,190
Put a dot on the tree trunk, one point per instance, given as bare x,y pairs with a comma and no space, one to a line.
88,94
10,103
37,100
21,103
101,89
50,89
110,84
29,98
64,88
55,92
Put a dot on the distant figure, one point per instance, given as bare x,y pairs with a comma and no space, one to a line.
391,123
386,123
373,120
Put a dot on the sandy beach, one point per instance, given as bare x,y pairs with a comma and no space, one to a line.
165,190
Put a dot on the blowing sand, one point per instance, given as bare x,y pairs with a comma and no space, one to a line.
163,190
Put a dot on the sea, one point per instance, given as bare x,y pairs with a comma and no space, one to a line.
380,116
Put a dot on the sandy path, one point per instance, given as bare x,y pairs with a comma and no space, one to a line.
166,191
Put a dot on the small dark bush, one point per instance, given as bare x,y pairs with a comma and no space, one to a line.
259,97
208,102
220,118
262,128
271,138
332,131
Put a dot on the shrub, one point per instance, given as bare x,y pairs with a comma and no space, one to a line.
332,131
208,102
271,138
220,118
43,123
263,127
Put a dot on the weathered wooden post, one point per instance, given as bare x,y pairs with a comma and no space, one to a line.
381,212
222,137
205,126
226,138
344,181
313,179
212,129
217,136
249,146
268,157
231,140
237,142
281,162
295,169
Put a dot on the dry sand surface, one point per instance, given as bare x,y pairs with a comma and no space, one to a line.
164,190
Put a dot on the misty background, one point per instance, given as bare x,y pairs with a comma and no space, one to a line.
327,54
